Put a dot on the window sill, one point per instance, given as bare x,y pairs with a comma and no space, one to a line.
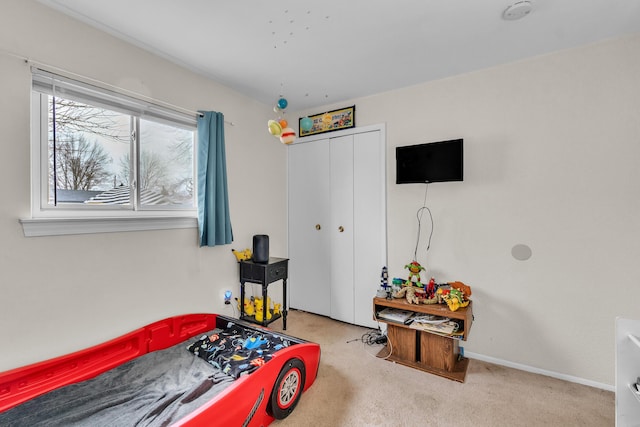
64,226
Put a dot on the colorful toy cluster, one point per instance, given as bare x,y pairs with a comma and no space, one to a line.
454,294
280,127
254,306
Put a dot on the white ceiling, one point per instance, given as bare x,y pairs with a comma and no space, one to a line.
320,52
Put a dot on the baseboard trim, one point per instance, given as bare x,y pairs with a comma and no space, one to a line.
534,370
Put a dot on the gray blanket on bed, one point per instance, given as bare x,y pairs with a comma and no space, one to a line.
156,389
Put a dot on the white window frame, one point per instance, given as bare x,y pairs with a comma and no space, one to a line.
62,220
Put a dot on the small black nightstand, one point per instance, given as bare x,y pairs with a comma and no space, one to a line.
265,274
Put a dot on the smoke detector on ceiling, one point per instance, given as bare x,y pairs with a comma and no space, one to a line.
517,10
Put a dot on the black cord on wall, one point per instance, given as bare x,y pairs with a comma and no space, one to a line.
419,216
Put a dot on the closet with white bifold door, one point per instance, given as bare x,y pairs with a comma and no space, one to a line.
337,222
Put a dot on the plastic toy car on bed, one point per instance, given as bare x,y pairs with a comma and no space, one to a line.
190,370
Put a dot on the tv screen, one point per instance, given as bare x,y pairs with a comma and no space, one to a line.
431,162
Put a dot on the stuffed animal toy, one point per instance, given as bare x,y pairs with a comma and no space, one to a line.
455,297
466,290
259,310
415,295
248,306
242,255
409,292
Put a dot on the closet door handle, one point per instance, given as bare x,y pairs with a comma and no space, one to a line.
341,229
318,227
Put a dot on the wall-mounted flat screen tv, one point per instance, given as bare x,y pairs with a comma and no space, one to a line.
431,162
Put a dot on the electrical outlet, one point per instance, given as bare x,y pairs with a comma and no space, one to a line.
227,297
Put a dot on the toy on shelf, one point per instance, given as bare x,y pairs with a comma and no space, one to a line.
431,288
412,289
242,255
385,288
249,307
456,296
259,310
466,290
254,307
396,284
414,274
408,292
430,296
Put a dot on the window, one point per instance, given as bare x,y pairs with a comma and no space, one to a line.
100,154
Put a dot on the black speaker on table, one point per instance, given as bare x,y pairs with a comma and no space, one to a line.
261,248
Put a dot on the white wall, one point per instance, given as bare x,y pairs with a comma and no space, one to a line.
552,146
59,294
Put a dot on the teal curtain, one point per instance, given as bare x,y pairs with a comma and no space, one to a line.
213,200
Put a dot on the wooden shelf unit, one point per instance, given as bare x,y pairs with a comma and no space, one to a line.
430,352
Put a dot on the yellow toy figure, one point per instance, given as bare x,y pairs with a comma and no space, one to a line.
242,255
414,274
457,296
259,310
276,308
248,306
259,313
